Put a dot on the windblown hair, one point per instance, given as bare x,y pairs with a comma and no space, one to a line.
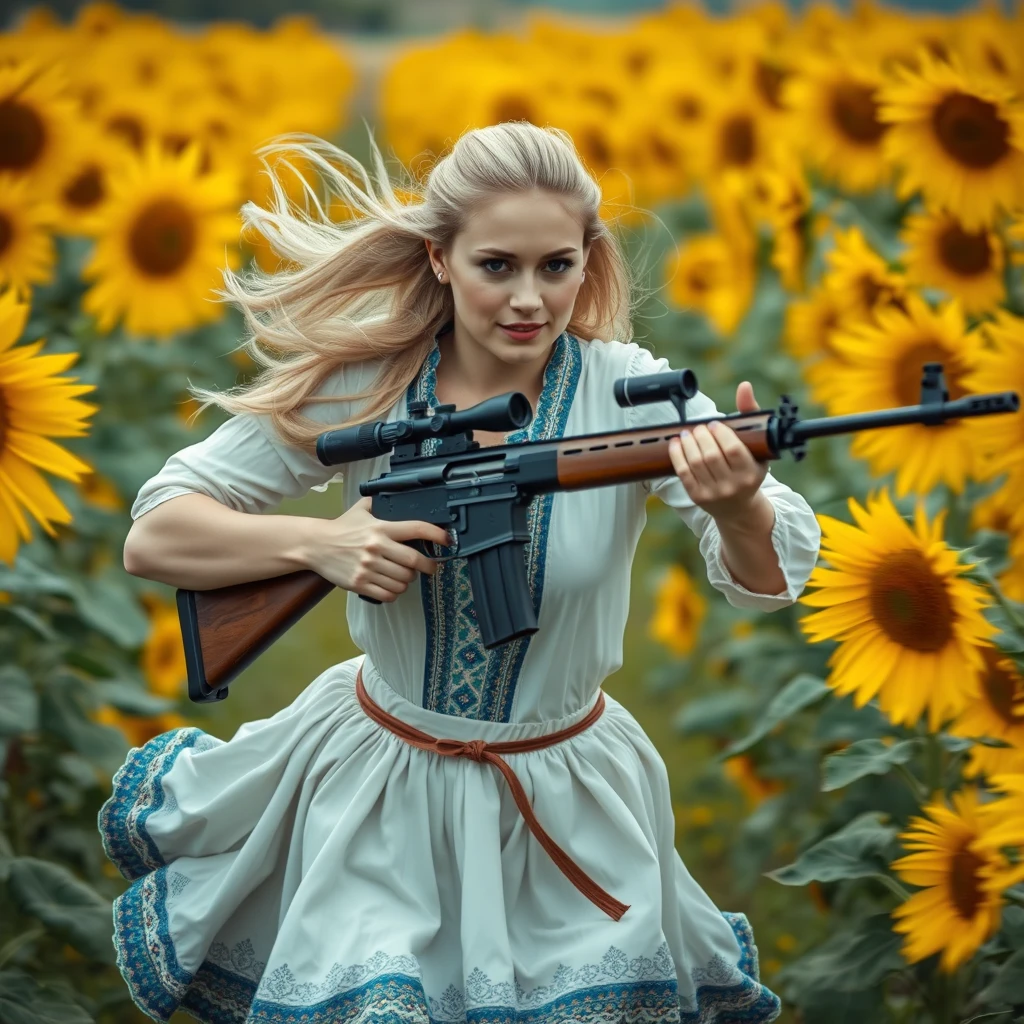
363,288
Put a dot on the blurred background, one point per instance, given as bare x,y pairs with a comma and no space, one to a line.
822,198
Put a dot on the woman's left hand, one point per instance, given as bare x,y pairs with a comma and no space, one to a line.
717,469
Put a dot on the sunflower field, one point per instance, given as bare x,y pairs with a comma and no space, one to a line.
822,203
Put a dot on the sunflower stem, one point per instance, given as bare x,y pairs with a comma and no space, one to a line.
916,786
892,885
935,765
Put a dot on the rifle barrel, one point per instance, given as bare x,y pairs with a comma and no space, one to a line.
929,415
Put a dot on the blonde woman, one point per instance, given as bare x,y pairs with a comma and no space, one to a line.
334,862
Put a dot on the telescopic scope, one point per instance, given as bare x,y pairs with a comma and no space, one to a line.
506,412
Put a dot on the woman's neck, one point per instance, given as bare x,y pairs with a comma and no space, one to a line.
467,374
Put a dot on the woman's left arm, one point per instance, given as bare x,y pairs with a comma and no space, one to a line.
759,537
723,478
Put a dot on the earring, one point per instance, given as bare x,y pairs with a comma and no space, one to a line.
583,275
440,275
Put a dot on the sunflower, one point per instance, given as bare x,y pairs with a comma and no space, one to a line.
910,628
941,253
860,278
742,771
883,369
84,188
786,207
993,512
679,612
810,324
1004,819
991,43
834,105
996,712
731,139
37,123
27,254
35,405
708,275
102,493
958,139
161,242
131,117
960,904
1000,439
163,654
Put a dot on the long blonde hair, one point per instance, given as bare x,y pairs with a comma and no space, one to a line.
363,289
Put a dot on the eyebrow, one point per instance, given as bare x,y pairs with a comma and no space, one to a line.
511,255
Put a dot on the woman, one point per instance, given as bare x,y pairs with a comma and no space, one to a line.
331,863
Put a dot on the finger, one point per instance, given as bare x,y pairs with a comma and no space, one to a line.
383,566
378,593
745,401
696,446
414,529
738,456
409,557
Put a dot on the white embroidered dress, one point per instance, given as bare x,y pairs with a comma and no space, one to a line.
316,868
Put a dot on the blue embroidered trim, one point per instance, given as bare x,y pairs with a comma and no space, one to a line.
135,795
461,677
232,987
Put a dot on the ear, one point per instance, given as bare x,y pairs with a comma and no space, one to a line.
436,256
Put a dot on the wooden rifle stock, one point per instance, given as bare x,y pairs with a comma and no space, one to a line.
226,628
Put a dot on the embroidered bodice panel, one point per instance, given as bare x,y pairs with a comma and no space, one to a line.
460,676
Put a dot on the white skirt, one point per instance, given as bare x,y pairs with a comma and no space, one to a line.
317,868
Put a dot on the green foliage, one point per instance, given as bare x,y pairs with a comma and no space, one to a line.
70,639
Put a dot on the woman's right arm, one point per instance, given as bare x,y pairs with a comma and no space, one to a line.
200,523
194,542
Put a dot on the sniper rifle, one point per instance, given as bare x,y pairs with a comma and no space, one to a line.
481,495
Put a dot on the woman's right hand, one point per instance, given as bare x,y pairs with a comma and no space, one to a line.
368,556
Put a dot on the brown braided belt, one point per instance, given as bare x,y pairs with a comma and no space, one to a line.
479,750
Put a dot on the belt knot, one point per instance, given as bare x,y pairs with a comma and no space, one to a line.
473,749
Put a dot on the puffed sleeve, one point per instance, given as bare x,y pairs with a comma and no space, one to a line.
795,536
245,465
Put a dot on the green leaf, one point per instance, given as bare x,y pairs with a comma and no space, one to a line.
19,702
714,713
799,693
858,850
854,960
865,757
1008,984
131,698
51,893
64,711
24,1001
38,626
107,604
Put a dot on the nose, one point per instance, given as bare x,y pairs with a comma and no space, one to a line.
525,293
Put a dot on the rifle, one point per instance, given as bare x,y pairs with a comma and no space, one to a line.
482,495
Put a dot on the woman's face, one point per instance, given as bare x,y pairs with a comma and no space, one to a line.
518,260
